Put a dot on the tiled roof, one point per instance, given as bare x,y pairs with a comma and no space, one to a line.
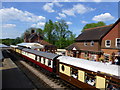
93,33
76,45
43,42
96,33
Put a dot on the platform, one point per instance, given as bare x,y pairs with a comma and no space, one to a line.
13,77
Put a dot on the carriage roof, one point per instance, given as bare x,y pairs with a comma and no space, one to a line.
91,65
43,54
19,48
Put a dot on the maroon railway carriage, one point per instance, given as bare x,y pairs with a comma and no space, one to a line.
43,59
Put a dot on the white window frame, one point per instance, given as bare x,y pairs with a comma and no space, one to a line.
106,43
116,42
85,43
91,43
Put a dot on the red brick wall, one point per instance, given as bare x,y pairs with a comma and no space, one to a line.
110,51
112,35
96,46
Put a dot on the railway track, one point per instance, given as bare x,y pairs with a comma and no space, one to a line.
40,77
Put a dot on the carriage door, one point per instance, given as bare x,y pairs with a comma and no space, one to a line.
56,66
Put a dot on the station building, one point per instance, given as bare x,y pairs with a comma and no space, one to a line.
38,40
99,43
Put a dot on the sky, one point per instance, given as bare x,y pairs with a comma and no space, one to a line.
16,17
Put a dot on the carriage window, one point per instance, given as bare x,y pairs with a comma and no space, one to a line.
63,68
74,73
39,59
112,85
90,79
44,60
35,57
49,62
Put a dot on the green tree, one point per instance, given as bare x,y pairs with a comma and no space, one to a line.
49,31
64,36
92,25
17,41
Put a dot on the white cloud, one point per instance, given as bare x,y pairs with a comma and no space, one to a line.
97,0
39,24
62,15
49,6
58,18
103,17
8,25
69,23
77,9
15,14
69,12
84,22
58,4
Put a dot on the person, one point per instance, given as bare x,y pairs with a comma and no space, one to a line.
114,88
110,62
91,82
116,61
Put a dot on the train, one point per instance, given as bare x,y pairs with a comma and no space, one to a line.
81,73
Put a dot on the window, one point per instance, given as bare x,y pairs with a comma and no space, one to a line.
108,43
39,59
112,85
86,54
35,57
117,42
74,73
85,43
63,68
90,79
92,43
49,62
44,60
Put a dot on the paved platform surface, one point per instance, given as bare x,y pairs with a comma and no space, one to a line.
12,77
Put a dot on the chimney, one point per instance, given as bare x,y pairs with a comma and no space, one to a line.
38,34
32,31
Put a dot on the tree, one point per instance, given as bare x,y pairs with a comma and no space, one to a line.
17,40
56,33
64,36
49,31
92,25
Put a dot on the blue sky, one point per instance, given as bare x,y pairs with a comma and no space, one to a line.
19,16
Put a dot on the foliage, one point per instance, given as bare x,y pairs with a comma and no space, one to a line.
92,25
17,40
9,41
49,32
57,33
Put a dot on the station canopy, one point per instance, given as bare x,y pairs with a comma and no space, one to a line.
31,45
3,46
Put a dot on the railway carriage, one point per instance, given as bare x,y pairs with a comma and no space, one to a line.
45,60
88,74
79,72
19,50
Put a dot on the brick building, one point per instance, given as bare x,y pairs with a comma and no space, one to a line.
33,37
99,43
